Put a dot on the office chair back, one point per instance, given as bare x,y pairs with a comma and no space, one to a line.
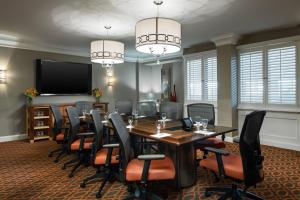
74,122
124,107
98,126
173,110
147,108
124,138
250,148
83,105
199,111
58,118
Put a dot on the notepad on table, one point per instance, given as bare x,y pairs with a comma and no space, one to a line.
166,120
204,132
161,135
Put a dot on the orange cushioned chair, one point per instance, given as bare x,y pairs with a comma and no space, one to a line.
246,167
144,168
200,111
105,156
60,133
79,142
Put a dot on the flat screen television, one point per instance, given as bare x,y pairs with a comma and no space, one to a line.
63,78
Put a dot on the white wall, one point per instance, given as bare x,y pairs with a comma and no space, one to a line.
279,129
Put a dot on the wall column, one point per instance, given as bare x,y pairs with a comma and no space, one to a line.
227,81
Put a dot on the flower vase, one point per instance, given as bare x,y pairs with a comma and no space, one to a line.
97,99
29,101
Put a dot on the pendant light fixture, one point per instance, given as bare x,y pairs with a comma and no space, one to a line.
158,36
107,52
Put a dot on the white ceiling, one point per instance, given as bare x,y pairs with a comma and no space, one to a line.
73,24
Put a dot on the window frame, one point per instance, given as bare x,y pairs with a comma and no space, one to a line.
202,56
265,47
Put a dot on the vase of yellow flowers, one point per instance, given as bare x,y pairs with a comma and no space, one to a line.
30,93
97,93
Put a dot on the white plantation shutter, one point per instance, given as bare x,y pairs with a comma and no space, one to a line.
282,75
210,80
194,80
251,77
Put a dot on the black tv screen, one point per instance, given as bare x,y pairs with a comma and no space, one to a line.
63,78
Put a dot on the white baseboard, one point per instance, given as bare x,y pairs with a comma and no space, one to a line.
281,145
13,137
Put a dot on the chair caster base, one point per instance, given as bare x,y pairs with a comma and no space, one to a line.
207,194
98,195
82,185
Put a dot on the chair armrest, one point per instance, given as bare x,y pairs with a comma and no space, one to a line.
110,148
152,157
111,145
147,161
217,151
85,134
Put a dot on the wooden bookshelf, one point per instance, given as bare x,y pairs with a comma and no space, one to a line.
39,119
39,122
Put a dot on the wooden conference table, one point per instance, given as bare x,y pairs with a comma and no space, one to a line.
178,146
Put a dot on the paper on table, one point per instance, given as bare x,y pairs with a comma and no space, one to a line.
204,132
166,120
129,126
141,116
161,135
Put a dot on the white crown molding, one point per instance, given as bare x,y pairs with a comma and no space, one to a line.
4,42
10,43
225,39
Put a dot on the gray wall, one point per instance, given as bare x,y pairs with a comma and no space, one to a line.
20,66
149,82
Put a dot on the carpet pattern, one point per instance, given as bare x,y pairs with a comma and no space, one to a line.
26,172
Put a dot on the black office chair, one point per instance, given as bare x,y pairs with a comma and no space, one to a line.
246,167
124,107
173,110
200,111
60,133
147,108
145,168
79,142
105,157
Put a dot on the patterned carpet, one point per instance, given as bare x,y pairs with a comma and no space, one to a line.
28,173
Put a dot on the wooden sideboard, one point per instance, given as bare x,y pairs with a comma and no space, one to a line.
40,121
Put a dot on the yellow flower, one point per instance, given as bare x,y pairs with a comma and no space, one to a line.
97,92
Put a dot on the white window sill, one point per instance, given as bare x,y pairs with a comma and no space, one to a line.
271,109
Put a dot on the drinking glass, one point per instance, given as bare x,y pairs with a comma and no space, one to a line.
116,110
135,114
198,124
158,126
105,117
130,120
204,124
163,117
